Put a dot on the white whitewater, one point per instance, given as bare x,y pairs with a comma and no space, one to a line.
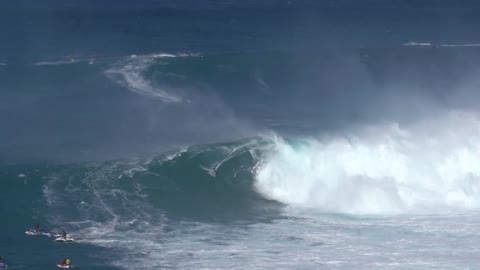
428,167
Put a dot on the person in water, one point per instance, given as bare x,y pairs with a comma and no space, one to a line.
65,262
3,263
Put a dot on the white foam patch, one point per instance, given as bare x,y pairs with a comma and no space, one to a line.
49,193
461,45
174,155
430,166
418,44
111,210
307,241
428,44
129,73
60,62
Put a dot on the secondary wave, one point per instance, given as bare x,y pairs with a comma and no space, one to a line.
129,73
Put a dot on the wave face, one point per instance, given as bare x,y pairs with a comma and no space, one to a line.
133,204
178,184
427,167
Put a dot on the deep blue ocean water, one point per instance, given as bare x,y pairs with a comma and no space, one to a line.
275,134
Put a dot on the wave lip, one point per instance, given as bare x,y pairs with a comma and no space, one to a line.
388,170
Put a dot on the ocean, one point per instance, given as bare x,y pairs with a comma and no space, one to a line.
274,134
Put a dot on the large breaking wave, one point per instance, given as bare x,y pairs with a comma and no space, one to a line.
429,166
139,205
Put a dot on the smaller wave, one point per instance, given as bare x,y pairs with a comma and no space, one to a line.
129,74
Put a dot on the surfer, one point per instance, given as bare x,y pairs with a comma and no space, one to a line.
3,263
213,172
37,228
65,263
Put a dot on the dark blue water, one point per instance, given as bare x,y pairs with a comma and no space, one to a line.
259,60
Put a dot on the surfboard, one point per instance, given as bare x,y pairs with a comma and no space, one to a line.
64,266
65,239
35,233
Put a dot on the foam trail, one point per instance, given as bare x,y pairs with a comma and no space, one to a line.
212,172
460,45
418,44
129,73
234,152
428,44
56,63
431,166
